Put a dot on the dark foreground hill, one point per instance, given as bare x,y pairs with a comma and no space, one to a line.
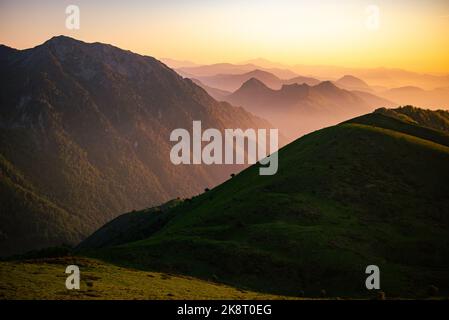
84,136
369,191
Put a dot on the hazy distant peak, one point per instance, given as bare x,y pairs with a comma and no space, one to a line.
253,83
349,79
258,72
294,86
408,88
326,85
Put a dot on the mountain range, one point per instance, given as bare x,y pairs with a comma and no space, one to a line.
229,68
378,78
352,83
435,98
399,86
231,82
300,108
84,136
382,77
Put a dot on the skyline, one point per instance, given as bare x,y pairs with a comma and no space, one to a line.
411,35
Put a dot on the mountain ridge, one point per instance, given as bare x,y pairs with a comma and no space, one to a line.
300,108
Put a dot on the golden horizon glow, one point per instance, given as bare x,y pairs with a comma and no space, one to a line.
412,35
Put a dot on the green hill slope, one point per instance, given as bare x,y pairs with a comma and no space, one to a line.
345,197
435,119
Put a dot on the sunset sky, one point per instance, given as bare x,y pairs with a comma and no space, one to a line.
412,34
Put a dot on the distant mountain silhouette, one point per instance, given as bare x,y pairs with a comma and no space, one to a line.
301,79
229,68
435,98
265,63
384,77
299,109
231,82
352,83
84,136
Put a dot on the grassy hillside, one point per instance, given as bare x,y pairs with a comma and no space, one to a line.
378,119
45,279
344,197
435,119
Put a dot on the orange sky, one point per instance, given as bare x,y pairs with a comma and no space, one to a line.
412,34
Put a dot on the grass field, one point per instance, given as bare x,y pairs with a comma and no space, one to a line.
45,279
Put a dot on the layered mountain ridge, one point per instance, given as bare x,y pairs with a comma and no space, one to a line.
300,108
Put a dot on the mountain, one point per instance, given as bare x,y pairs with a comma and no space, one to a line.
435,98
369,191
299,109
229,68
84,136
352,83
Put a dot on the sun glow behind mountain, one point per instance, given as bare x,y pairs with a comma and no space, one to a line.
411,34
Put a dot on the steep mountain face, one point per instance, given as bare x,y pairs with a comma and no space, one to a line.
372,190
299,109
84,135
